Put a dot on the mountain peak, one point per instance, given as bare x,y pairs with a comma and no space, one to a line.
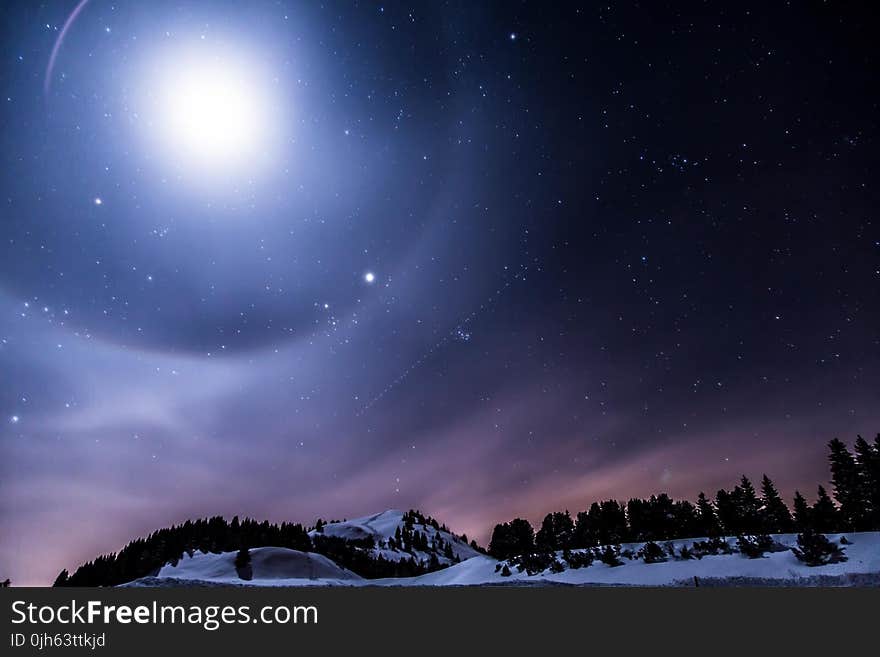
400,535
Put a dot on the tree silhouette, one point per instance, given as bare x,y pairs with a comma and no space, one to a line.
775,516
512,538
868,465
815,549
707,519
824,516
243,563
802,518
61,580
556,532
586,528
748,505
849,489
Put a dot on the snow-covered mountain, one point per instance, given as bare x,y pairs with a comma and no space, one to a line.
400,535
393,534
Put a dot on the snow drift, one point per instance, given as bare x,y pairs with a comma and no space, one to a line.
278,566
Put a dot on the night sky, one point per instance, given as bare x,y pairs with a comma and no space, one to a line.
291,260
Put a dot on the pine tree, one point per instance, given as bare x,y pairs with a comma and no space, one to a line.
579,559
685,520
511,539
62,578
849,490
868,463
556,532
748,506
824,516
775,516
686,553
728,513
661,514
612,522
243,558
802,518
815,549
652,553
750,546
637,518
545,538
586,528
706,518
243,564
609,556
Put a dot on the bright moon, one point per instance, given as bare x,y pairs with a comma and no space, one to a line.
212,110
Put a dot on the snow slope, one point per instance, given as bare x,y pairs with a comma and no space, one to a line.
281,567
863,557
271,566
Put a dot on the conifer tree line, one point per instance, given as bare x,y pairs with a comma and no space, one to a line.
145,556
741,511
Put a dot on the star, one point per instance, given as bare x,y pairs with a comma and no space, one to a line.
14,419
369,277
98,201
